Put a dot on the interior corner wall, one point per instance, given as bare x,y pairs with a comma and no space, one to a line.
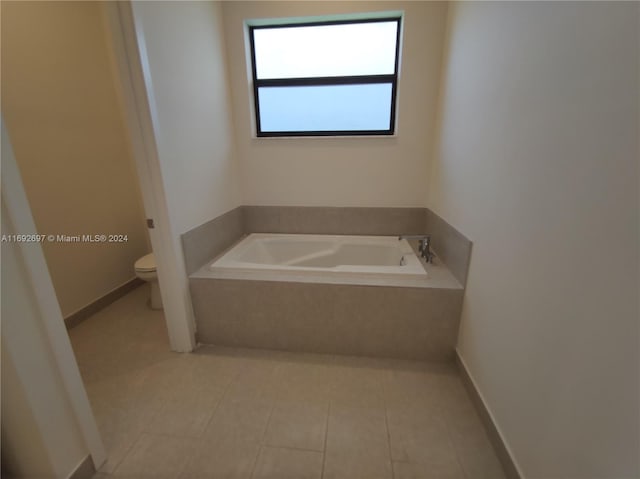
62,111
537,163
189,87
383,171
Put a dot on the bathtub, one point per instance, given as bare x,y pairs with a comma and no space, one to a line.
322,258
354,295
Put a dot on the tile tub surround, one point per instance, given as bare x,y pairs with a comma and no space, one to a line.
203,243
333,220
211,238
452,247
381,321
377,321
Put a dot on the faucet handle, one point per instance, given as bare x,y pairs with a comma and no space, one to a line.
424,243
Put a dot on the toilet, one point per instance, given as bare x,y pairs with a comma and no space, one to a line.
146,270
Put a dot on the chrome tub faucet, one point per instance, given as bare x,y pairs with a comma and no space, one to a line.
424,245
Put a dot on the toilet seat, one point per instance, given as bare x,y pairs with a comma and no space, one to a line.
146,264
145,269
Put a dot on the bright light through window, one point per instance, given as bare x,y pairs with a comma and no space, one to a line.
326,79
329,50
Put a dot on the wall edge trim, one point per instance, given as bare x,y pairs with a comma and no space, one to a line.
72,320
505,455
84,470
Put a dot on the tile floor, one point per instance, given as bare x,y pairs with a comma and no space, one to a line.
253,414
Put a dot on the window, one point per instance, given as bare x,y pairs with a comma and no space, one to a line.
329,78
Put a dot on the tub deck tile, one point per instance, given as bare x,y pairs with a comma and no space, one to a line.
391,322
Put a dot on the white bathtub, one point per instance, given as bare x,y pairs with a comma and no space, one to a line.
375,260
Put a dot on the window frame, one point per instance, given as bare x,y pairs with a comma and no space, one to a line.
323,81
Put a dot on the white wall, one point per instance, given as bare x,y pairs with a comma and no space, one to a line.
182,55
23,451
40,434
341,171
186,60
538,164
61,107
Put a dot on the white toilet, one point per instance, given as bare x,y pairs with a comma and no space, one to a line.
146,270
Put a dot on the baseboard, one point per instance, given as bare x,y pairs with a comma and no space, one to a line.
83,313
510,466
84,470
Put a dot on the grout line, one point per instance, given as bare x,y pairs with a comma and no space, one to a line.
291,448
326,437
455,451
386,422
385,396
264,434
255,461
213,413
222,398
447,426
266,426
125,455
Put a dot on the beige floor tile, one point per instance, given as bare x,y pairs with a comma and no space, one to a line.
357,444
421,437
304,381
248,356
357,387
122,408
378,408
298,425
352,428
356,465
468,436
240,420
208,371
122,337
222,459
117,446
480,463
155,456
167,376
257,379
474,450
417,389
406,470
279,463
366,362
456,400
128,417
186,412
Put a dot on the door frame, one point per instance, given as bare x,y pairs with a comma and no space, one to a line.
133,78
17,207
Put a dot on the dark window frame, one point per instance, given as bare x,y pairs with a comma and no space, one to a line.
336,80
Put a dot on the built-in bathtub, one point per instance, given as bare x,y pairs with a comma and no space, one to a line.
358,295
322,258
